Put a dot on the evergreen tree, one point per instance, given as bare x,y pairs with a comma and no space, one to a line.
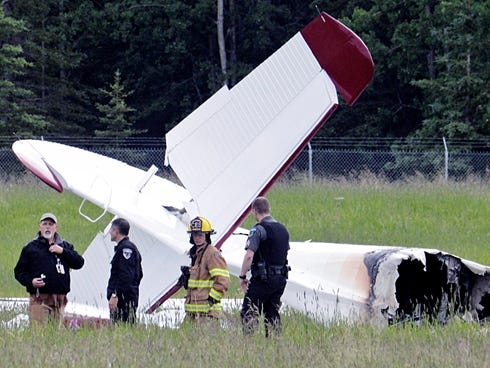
431,61
390,106
52,45
457,98
16,112
115,112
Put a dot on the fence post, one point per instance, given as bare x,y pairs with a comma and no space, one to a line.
310,163
446,159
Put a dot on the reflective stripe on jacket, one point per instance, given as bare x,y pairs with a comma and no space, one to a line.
209,276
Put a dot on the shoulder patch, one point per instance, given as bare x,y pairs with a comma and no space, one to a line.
127,252
217,254
252,232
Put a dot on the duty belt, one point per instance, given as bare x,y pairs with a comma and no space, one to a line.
276,270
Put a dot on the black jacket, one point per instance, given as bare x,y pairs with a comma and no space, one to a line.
36,259
126,272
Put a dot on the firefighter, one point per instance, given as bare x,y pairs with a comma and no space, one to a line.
207,279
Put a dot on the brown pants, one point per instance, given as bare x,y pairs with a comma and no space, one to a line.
45,308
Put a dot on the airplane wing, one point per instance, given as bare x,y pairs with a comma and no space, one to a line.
234,146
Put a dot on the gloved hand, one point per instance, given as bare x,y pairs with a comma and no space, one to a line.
184,278
212,301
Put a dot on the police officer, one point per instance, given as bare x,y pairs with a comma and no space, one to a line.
126,275
44,269
207,279
266,256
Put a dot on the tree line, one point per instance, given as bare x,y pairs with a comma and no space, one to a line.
136,68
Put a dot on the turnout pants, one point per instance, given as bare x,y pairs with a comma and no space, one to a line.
208,320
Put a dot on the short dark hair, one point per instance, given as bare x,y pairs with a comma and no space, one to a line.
261,205
122,226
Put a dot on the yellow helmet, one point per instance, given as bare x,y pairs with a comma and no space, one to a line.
200,224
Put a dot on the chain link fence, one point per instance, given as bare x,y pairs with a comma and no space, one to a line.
323,158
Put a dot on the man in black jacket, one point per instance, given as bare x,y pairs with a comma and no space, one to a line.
126,275
266,257
44,269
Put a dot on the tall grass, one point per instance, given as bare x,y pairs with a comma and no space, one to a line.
453,217
303,343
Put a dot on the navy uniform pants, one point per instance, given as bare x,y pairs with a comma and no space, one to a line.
263,296
126,311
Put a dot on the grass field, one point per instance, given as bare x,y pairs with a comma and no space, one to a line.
453,217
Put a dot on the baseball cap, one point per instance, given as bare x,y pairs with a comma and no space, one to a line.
49,216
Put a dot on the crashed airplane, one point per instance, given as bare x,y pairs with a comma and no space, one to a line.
277,108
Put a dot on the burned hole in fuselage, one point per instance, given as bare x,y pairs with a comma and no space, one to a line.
444,287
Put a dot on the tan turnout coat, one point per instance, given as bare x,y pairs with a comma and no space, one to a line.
209,276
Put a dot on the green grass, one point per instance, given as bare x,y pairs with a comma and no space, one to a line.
448,216
453,217
303,343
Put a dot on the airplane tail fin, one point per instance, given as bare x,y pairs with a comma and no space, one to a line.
342,54
276,108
